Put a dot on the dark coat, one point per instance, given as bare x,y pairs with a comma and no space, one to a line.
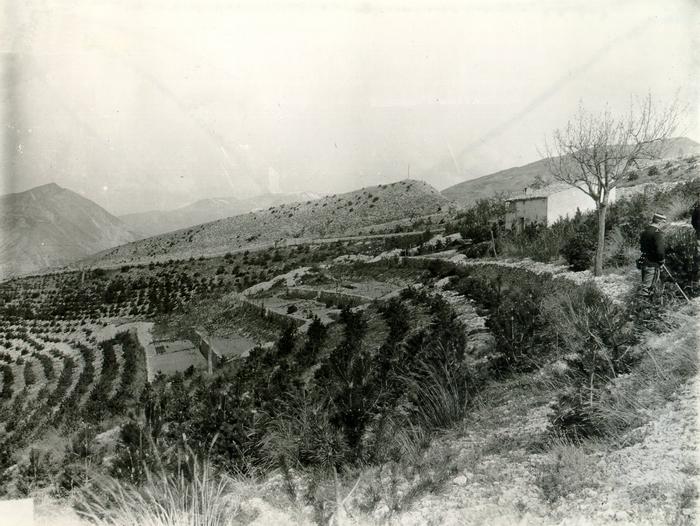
652,244
695,220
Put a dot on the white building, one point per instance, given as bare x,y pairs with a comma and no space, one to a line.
547,205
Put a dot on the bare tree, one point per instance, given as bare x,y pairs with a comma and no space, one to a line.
596,151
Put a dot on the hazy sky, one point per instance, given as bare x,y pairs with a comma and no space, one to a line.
156,103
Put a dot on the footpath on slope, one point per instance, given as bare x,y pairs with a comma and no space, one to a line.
502,479
615,286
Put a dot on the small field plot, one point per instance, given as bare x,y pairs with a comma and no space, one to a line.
233,345
366,288
385,272
298,306
178,361
172,346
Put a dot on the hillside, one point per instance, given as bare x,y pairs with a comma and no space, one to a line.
330,216
154,222
503,458
489,412
514,180
49,225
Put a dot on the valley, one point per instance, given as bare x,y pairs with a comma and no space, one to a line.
374,349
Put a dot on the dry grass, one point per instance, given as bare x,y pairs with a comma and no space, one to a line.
569,470
200,498
441,388
667,362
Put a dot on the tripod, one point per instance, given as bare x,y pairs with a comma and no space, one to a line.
668,272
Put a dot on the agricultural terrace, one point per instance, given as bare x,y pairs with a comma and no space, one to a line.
70,352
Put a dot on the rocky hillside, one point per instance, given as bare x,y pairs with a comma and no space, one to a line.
49,225
335,215
154,222
514,180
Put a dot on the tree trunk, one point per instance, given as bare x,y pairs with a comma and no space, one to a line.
600,248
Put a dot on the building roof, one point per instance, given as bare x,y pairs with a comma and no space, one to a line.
540,193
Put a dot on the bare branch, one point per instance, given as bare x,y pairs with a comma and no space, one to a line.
595,152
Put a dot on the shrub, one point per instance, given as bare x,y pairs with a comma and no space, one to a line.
618,249
29,376
680,251
302,435
593,338
680,207
439,388
512,299
666,364
578,251
569,470
477,222
36,473
538,243
8,380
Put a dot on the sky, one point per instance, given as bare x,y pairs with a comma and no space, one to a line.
153,104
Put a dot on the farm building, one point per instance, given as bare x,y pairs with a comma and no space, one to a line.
546,205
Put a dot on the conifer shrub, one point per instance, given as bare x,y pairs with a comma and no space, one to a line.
538,321
578,251
593,342
680,252
511,300
537,242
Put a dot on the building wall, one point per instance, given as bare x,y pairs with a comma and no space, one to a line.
526,211
564,204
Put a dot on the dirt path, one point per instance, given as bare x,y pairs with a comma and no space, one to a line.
616,286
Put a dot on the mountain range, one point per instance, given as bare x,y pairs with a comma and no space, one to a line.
154,222
49,226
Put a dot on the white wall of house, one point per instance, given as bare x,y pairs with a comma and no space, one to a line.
548,209
565,202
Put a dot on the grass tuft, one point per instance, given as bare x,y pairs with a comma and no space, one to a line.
198,498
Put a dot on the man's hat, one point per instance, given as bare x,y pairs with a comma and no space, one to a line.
658,217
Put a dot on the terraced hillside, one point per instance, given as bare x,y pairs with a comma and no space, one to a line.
335,215
69,351
60,370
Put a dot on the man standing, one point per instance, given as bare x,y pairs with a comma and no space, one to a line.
653,253
695,221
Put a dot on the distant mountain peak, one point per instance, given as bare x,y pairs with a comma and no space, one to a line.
48,188
44,189
50,225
